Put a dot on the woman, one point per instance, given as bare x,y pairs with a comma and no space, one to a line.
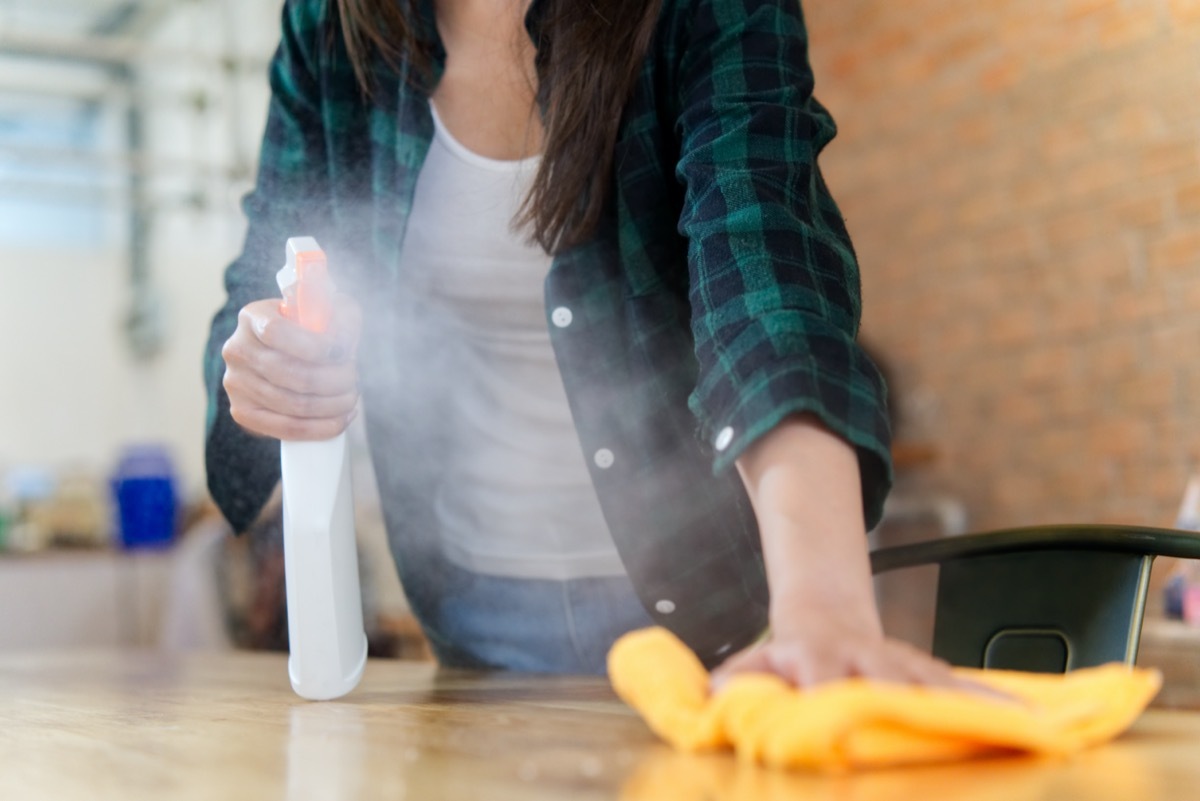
679,418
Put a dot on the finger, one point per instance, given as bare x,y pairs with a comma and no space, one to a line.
269,424
906,665
920,667
276,332
249,387
806,670
246,354
930,671
978,688
898,661
286,372
798,667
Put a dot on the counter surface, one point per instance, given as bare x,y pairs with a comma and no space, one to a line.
135,726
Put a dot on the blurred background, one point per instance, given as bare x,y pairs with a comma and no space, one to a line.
1021,179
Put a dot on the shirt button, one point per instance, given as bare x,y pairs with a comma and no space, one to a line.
604,458
665,607
724,438
561,317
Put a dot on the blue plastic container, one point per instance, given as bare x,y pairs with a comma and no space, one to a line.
147,502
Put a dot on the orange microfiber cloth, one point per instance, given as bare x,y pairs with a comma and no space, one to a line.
856,723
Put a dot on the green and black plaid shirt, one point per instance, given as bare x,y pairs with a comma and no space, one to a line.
720,294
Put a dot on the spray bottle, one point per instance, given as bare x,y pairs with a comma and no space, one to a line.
325,625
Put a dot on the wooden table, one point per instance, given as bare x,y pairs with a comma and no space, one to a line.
104,726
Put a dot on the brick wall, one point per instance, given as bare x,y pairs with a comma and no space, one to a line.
1022,181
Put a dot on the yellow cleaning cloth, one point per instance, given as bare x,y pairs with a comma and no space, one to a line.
856,723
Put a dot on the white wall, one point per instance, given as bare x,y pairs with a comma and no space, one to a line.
73,394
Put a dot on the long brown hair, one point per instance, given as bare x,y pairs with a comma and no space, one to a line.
588,56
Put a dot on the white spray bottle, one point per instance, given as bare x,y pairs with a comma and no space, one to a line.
324,602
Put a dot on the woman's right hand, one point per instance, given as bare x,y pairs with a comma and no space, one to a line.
287,382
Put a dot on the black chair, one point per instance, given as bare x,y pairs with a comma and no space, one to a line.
1047,599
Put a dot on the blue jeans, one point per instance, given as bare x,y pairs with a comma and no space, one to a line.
529,625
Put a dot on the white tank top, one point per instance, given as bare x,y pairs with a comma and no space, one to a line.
517,499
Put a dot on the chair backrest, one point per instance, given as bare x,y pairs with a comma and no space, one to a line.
1046,599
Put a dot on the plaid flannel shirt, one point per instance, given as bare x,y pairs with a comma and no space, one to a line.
719,295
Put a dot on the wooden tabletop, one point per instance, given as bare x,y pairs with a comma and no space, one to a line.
103,726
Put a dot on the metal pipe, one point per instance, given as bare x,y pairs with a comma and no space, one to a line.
143,321
123,162
98,95
90,194
233,87
117,52
62,92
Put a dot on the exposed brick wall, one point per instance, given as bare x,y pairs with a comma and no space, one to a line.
1022,182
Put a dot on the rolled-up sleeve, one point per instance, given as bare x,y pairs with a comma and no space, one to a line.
774,281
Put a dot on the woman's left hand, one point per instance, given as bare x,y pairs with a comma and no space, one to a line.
822,648
804,485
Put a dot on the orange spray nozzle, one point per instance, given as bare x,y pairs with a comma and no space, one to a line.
306,285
